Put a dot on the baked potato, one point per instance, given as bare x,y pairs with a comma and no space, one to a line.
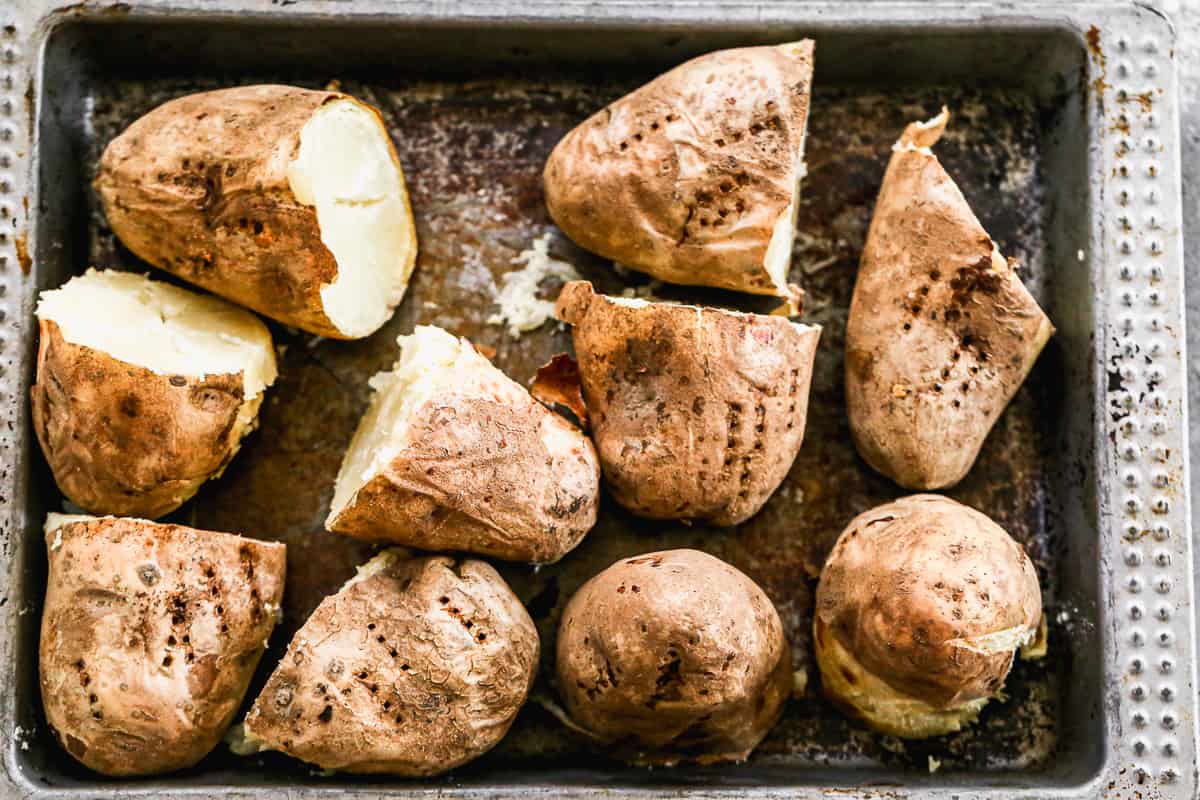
143,390
941,331
150,635
673,656
288,201
920,608
453,455
697,413
695,177
416,666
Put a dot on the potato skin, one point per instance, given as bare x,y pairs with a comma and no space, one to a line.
696,414
673,656
477,476
123,440
199,187
938,340
686,177
906,592
411,671
150,635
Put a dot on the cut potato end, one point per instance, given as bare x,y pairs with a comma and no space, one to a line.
163,328
778,259
921,136
56,521
426,358
346,168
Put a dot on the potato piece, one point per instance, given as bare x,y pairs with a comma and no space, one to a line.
941,331
697,413
695,177
289,201
920,608
415,667
143,390
453,455
673,656
150,635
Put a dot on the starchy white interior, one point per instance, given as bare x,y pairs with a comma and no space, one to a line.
919,137
427,358
1007,640
347,169
162,328
779,250
54,520
520,307
373,567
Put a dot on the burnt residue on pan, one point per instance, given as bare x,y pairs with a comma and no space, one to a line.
473,154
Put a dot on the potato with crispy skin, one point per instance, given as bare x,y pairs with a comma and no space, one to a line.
454,455
150,635
920,608
941,331
143,391
697,413
288,201
673,656
416,666
695,177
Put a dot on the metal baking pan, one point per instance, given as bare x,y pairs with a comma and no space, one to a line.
1065,141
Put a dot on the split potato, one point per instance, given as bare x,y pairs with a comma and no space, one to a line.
941,331
697,413
695,177
288,201
150,635
143,390
416,666
673,656
454,455
920,608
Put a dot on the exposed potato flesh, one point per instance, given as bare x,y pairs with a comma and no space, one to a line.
695,177
150,635
920,608
143,390
697,413
289,201
453,455
673,656
415,667
941,331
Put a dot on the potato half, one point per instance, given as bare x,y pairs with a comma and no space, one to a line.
695,177
143,390
453,455
697,413
415,667
673,656
288,201
920,608
150,635
941,331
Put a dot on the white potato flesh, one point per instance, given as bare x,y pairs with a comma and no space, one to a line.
346,168
163,328
779,250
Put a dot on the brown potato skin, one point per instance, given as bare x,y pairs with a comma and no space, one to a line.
673,656
129,602
617,186
478,478
452,674
199,187
696,415
123,440
937,343
908,578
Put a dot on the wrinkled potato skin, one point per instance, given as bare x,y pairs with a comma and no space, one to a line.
120,696
123,440
685,178
386,678
673,656
477,477
696,415
908,580
199,187
922,399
